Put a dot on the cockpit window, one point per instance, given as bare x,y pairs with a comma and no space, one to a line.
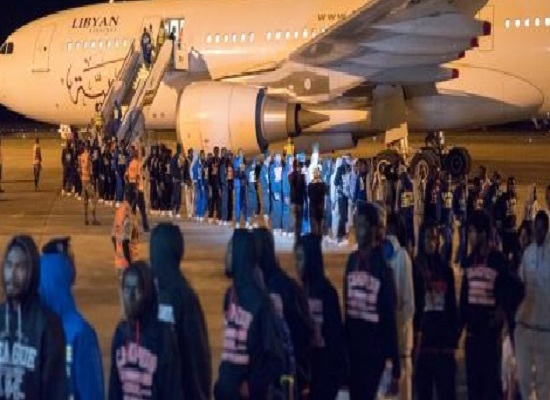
7,48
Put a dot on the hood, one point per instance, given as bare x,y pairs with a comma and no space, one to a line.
56,279
314,269
265,245
29,247
148,289
167,247
243,263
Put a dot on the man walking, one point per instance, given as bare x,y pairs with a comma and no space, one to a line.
37,162
88,189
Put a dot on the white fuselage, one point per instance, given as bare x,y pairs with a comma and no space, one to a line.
62,65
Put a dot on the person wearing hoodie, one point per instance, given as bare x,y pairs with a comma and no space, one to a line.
328,360
290,301
435,318
533,318
252,355
32,362
83,356
251,194
400,262
370,309
266,189
145,362
179,305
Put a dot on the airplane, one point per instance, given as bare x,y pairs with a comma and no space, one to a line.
249,73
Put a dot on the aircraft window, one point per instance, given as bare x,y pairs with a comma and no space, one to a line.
86,44
209,39
217,38
9,49
323,30
77,45
287,35
507,24
537,21
69,46
305,34
268,36
234,38
527,22
243,37
116,43
108,44
226,38
547,21
278,35
296,35
92,44
100,44
251,37
125,43
518,23
313,33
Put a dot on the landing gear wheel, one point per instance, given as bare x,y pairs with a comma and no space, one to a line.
386,158
426,160
458,162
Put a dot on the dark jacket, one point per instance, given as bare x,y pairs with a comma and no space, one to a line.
158,364
179,305
286,292
316,191
370,308
39,372
84,363
328,362
254,356
436,311
298,188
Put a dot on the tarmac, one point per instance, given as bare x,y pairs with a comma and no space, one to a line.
45,214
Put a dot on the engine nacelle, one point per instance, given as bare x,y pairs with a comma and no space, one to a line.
233,116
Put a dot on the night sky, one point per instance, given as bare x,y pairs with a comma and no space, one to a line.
15,13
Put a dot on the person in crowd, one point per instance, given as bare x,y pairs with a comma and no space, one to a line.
214,183
177,165
370,309
405,206
276,185
266,189
328,356
290,302
298,193
360,193
484,182
33,346
133,173
112,169
400,262
224,186
420,186
140,201
432,205
532,335
83,355
486,295
447,218
188,183
316,191
152,166
66,161
179,305
334,200
251,360
492,197
121,163
251,194
531,206
435,318
288,220
341,181
507,215
95,153
125,234
1,161
197,176
88,189
145,358
167,192
37,162
239,183
460,203
328,166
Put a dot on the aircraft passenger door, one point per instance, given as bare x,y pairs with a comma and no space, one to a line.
41,62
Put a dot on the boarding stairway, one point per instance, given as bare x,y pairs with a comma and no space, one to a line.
135,88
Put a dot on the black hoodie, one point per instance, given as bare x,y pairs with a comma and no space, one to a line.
328,357
180,306
32,344
252,350
144,356
286,293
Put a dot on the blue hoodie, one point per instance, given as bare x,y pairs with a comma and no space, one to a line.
84,364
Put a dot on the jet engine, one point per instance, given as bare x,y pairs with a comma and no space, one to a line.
235,116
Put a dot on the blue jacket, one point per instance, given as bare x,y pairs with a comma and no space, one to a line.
287,169
264,178
276,180
239,173
83,356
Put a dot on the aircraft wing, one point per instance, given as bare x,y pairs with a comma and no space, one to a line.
396,42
